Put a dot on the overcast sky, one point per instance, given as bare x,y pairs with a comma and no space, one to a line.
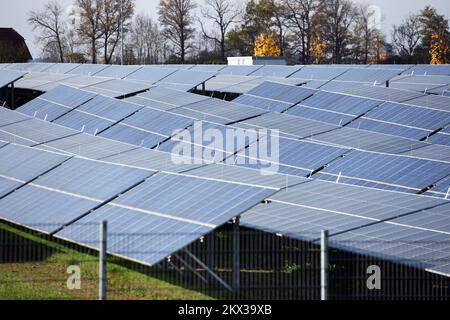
13,13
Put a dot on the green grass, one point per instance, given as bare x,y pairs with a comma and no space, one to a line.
44,277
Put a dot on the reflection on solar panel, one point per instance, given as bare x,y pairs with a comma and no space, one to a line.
410,116
26,163
182,221
389,128
295,157
30,67
8,116
281,92
318,73
429,70
97,114
61,67
88,69
341,103
310,207
276,71
227,110
432,101
366,140
118,88
55,103
290,125
208,67
174,98
185,79
262,103
439,138
368,75
38,131
381,93
41,81
118,72
150,74
158,193
239,70
411,173
223,81
246,175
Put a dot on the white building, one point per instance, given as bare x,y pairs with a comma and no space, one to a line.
251,61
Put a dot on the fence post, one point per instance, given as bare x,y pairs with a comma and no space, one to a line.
236,256
102,260
324,265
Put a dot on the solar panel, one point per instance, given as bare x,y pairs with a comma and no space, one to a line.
234,112
431,151
408,172
389,128
295,157
381,93
308,208
223,81
118,72
151,74
153,237
92,179
341,103
246,86
97,114
174,98
440,138
276,71
118,88
7,77
318,73
189,198
295,126
439,70
312,113
149,103
368,75
262,103
239,70
281,92
8,117
185,79
26,163
135,136
89,146
62,67
55,103
88,69
432,101
246,175
38,131
403,244
41,81
410,116
157,121
366,140
208,67
150,159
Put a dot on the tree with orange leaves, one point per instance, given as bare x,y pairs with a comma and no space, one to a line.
267,46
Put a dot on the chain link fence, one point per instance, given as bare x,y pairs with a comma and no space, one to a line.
229,263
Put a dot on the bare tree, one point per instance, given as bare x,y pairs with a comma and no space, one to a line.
406,36
222,13
177,20
114,20
339,16
300,14
88,15
365,31
50,22
146,40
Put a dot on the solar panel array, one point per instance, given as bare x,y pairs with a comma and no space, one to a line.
357,158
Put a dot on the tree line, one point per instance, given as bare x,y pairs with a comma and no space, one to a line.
207,31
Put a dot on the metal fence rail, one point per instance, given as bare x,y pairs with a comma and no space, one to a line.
231,263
